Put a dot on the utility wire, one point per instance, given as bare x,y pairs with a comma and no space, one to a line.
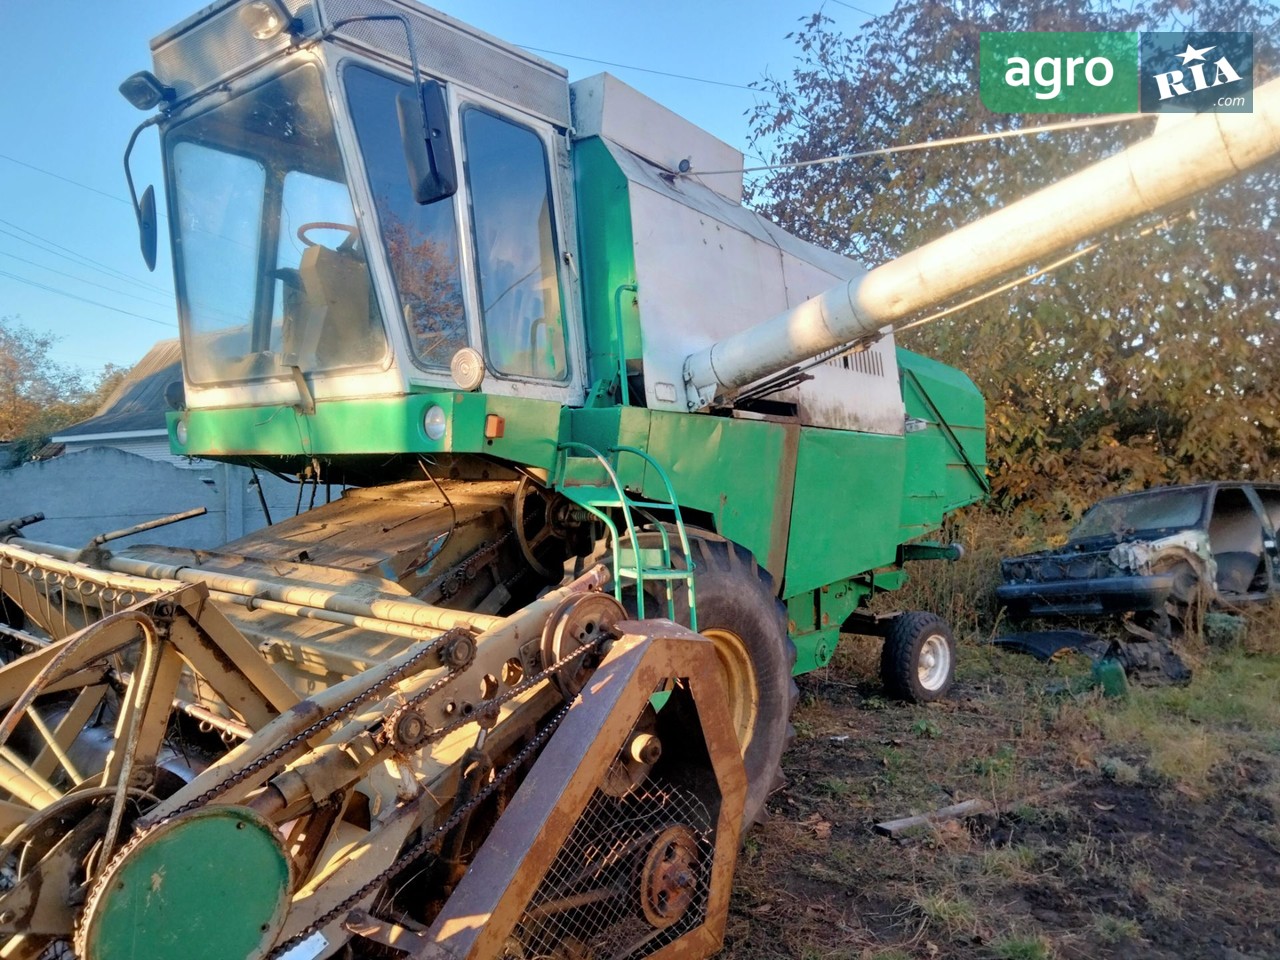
931,144
58,176
76,257
94,303
852,7
84,280
628,66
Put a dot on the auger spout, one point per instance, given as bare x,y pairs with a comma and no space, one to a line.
1164,169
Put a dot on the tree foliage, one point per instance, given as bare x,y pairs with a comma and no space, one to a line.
1152,360
39,396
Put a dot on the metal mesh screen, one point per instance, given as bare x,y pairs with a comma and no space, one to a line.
632,877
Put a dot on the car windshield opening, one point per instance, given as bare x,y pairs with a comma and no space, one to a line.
1150,511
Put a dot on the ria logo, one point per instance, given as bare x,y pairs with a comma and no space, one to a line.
1174,83
1197,72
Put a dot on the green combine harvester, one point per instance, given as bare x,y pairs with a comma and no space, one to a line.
605,458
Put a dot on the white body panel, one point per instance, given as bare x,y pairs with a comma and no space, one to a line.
604,106
707,268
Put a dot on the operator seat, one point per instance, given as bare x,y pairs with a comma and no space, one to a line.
334,323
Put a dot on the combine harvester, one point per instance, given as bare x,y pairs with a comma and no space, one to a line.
617,457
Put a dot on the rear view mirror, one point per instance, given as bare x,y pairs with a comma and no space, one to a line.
147,226
428,147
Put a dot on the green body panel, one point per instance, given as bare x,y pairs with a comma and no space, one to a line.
946,466
607,266
845,518
736,471
158,901
382,425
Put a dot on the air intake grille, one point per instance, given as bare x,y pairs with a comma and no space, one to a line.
865,361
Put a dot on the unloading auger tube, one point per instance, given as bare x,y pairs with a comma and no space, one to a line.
1171,165
169,794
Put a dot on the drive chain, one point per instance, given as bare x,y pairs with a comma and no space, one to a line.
338,713
427,842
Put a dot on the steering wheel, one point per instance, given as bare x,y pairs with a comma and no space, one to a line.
352,232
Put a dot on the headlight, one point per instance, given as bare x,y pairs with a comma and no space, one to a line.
435,423
180,433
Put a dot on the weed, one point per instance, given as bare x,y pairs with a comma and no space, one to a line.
1113,929
1159,898
1081,854
997,767
1021,948
835,786
1009,863
1123,773
949,913
924,727
891,760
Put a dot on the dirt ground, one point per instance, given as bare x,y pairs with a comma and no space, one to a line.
1144,827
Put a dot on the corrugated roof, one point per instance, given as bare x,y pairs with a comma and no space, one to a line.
138,402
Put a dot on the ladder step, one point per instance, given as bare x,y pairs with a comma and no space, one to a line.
655,573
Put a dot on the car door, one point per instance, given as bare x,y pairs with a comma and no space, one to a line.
1268,499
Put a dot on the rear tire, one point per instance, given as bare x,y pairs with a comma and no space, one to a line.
918,661
740,613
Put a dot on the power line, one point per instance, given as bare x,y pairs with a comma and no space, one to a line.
92,283
62,293
77,258
58,176
628,66
931,144
852,7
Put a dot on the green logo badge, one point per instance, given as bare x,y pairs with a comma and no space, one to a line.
1059,72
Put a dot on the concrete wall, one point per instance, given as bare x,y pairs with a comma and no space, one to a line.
102,489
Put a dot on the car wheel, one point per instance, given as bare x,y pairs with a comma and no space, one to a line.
918,661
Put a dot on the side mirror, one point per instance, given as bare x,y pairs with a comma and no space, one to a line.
428,148
147,226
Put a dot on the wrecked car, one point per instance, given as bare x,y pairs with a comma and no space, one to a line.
1164,552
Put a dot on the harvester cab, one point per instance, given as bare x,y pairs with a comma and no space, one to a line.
577,403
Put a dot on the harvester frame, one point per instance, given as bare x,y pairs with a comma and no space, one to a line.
580,403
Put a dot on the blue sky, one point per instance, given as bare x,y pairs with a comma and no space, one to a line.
67,231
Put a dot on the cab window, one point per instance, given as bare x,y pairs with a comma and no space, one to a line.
421,241
509,187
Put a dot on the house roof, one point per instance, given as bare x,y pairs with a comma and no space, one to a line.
137,405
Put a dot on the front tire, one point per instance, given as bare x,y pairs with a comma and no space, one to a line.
740,614
918,661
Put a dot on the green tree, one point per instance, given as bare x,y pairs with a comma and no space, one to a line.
38,395
1152,360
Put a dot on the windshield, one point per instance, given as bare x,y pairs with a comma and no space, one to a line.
271,268
1155,510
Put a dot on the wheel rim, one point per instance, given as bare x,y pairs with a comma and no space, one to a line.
934,664
739,682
